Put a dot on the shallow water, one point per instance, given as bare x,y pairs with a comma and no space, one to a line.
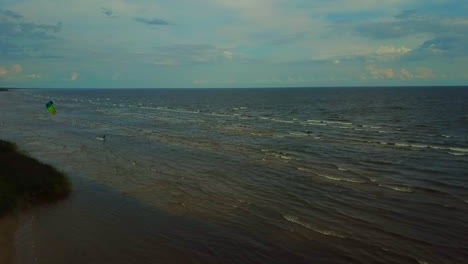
338,175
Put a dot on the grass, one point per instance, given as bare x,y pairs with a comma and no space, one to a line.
25,181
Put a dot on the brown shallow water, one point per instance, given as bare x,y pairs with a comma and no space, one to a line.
179,185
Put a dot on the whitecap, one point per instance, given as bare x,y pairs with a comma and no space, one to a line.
334,178
402,145
397,188
459,149
419,146
456,154
294,219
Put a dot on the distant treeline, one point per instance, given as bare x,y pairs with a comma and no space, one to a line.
3,89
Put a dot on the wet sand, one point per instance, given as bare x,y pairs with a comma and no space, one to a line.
8,226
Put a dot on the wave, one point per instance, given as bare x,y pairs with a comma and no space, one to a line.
459,151
162,108
299,134
278,154
327,122
399,188
334,178
456,154
294,219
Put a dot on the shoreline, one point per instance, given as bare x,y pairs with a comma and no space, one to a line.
24,182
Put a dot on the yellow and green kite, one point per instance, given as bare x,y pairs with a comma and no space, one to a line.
51,108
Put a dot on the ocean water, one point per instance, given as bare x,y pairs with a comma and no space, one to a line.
320,175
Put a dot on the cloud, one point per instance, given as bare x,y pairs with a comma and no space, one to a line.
152,22
13,25
74,76
405,74
422,73
3,71
15,72
381,73
180,54
33,76
20,38
17,68
11,14
450,47
406,14
8,72
227,54
108,12
392,51
410,25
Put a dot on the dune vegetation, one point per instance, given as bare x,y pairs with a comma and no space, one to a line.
24,181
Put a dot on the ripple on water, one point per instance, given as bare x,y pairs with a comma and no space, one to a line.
295,219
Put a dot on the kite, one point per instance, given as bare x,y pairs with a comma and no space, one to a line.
51,108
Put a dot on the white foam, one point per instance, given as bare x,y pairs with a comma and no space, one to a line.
402,145
459,149
282,121
294,219
335,178
456,154
298,134
397,188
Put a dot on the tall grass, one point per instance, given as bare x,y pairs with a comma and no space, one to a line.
26,181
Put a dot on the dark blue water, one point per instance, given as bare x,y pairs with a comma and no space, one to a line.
329,175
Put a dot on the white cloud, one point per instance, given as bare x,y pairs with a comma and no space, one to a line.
3,71
227,54
381,73
17,68
405,74
392,51
15,72
422,73
285,80
33,76
6,72
74,76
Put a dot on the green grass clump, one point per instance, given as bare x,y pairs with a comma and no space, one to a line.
26,181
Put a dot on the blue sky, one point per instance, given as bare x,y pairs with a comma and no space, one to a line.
232,43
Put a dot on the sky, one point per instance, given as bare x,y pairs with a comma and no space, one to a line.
232,43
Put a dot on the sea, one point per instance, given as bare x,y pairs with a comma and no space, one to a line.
284,175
